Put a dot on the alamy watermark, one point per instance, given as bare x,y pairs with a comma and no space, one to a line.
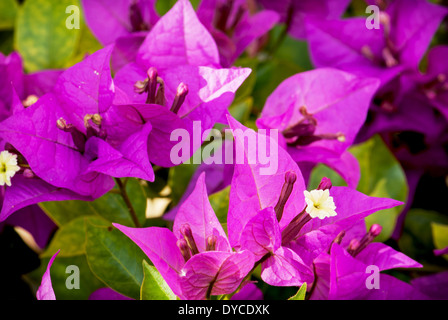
373,21
72,21
373,280
72,281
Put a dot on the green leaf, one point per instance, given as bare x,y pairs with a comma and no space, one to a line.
300,295
154,287
247,87
6,42
440,236
114,259
381,176
178,179
87,44
71,237
62,212
269,75
8,12
42,37
241,111
111,206
295,52
417,238
220,204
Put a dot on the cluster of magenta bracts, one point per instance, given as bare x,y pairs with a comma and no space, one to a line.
67,134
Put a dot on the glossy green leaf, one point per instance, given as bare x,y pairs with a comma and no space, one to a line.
8,12
42,36
71,237
220,204
416,240
6,42
241,111
270,74
440,236
381,176
87,44
111,206
300,295
115,259
247,87
154,287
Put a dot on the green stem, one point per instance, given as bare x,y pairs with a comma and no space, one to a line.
284,32
126,199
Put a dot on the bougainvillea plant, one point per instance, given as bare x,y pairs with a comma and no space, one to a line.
223,150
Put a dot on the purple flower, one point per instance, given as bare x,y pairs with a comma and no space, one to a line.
383,53
23,187
274,216
177,69
294,12
233,27
248,292
195,259
434,83
80,135
319,114
124,23
435,285
347,274
27,87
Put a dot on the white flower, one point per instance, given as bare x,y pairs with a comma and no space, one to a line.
320,204
8,167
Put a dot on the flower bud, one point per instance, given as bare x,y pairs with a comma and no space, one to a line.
186,232
290,179
182,91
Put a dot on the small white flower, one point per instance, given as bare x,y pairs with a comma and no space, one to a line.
8,167
320,204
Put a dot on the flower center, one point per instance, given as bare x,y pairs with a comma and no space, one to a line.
8,167
319,204
303,132
154,86
92,123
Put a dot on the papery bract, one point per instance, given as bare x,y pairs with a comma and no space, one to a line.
181,52
346,277
316,126
294,12
233,26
